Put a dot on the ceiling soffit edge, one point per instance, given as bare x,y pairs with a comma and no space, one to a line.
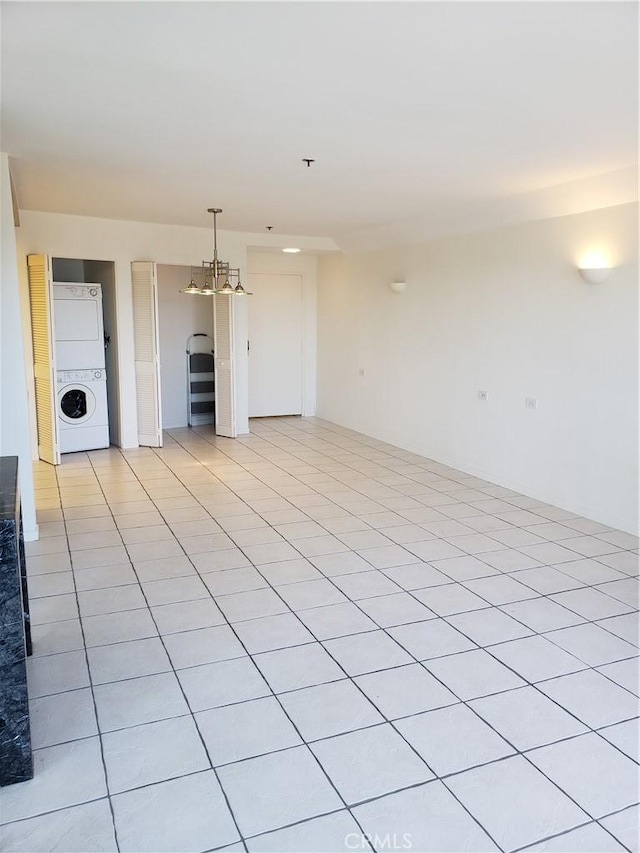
596,192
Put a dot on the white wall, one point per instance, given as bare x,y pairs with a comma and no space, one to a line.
304,264
505,312
179,317
14,405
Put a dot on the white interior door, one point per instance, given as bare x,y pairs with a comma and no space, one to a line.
275,345
44,358
224,365
144,290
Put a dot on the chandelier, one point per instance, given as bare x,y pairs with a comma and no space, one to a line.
215,276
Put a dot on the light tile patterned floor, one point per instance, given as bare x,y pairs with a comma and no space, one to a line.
305,638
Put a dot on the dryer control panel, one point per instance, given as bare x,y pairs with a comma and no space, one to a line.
77,291
66,376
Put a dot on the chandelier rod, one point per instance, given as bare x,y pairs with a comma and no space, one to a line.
215,211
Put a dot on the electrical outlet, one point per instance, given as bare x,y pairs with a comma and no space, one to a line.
531,402
483,395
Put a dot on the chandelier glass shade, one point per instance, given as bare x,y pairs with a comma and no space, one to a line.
215,276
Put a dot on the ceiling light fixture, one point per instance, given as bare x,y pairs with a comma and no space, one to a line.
216,276
292,251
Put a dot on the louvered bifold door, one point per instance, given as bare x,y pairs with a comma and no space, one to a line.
44,362
224,377
146,352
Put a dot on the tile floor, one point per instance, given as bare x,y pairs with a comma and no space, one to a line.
308,640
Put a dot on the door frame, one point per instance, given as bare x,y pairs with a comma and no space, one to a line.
116,379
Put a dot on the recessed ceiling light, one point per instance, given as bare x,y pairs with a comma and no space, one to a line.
292,251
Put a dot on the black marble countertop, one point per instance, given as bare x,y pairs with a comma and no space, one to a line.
9,496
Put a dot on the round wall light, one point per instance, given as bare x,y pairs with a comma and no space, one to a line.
594,267
398,286
594,275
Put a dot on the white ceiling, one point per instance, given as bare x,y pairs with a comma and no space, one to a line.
424,118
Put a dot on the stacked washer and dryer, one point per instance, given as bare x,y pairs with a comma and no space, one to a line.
83,417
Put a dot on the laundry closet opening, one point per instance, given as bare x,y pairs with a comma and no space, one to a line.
185,323
86,354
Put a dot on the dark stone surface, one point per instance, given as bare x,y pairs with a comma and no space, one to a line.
16,763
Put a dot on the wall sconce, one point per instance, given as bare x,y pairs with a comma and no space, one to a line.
594,268
594,275
398,286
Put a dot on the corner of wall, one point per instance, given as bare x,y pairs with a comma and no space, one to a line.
14,403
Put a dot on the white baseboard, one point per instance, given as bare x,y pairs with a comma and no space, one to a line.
31,534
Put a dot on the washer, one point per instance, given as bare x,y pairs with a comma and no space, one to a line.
83,418
79,326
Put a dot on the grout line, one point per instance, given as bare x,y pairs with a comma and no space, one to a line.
558,835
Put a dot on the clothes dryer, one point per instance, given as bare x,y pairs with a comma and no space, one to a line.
83,417
79,326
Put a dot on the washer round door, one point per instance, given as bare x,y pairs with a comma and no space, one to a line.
76,404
